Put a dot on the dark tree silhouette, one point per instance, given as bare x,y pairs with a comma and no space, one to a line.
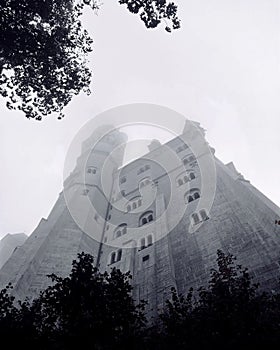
96,310
229,314
44,50
88,308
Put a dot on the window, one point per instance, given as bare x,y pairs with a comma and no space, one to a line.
188,159
123,192
181,148
186,179
146,242
199,217
139,202
143,169
142,245
85,192
91,170
123,180
134,206
192,195
180,182
109,217
113,258
145,258
119,256
120,230
192,176
196,195
195,218
190,199
203,215
116,256
128,207
146,217
145,182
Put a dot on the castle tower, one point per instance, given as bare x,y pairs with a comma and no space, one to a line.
74,224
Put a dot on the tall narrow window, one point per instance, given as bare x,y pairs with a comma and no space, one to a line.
150,217
203,214
119,257
113,258
139,202
192,176
134,205
123,180
196,195
195,218
186,179
150,240
142,246
128,207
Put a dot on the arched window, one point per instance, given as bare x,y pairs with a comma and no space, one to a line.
120,230
190,199
192,176
146,217
150,240
139,202
144,221
203,214
196,195
186,179
128,207
113,258
185,161
180,182
119,257
142,245
192,195
195,218
134,206
123,180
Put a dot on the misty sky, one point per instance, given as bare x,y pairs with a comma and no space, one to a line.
222,68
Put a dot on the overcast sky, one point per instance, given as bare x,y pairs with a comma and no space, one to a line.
222,68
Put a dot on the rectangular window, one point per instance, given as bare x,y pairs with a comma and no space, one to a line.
146,257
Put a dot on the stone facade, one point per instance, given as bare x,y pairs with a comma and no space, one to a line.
121,219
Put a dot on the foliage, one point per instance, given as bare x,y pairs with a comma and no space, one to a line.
86,308
229,313
44,50
153,12
96,310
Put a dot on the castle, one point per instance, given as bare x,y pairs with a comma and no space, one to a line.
162,217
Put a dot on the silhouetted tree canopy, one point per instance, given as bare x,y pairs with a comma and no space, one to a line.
228,314
44,50
95,310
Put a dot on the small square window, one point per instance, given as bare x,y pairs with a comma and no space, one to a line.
146,257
